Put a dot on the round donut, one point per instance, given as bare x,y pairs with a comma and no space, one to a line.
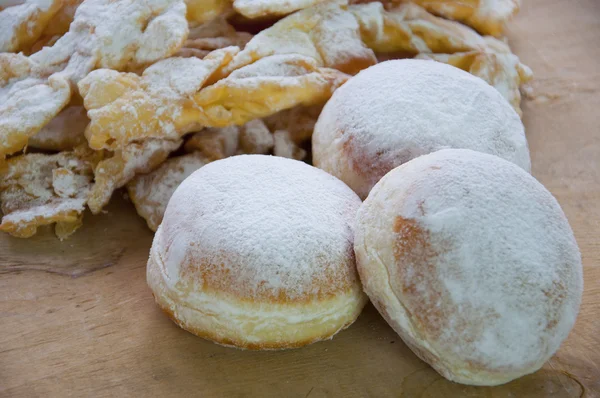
397,110
256,252
472,262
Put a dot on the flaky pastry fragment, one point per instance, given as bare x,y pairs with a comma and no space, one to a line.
189,52
411,29
486,16
125,107
117,35
105,33
271,8
201,11
150,193
27,103
64,132
116,171
327,32
39,189
58,27
63,18
214,143
255,138
22,24
299,122
267,86
210,36
44,41
285,147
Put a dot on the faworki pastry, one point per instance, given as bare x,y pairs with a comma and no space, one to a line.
472,262
398,110
256,252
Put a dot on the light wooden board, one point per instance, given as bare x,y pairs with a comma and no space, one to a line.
76,318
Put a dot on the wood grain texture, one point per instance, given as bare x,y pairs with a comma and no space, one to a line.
77,319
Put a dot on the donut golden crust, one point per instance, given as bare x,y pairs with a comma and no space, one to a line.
472,262
398,110
256,252
230,320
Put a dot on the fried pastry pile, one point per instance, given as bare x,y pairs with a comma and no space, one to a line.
125,107
107,34
489,17
170,98
139,94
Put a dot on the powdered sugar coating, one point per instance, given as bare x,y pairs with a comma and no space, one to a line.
398,110
472,262
261,228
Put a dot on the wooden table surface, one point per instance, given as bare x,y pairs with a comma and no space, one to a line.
77,319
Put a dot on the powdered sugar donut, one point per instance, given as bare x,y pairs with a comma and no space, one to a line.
257,252
473,264
397,110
